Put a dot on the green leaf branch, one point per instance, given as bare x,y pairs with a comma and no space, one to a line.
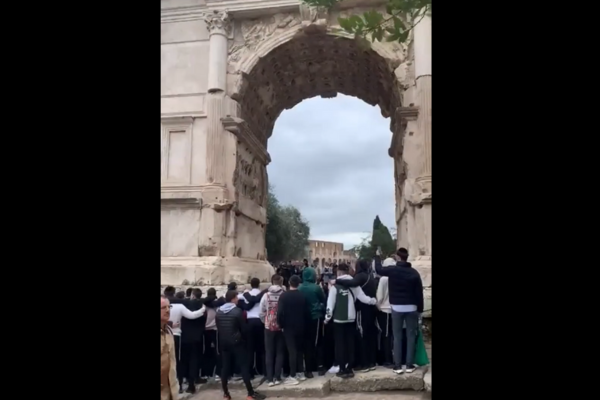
401,17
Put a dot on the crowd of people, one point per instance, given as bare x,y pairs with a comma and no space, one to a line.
310,320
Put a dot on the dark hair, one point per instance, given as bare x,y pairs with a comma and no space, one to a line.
343,267
180,294
230,295
197,293
277,280
305,260
361,265
188,292
169,291
295,281
232,286
255,283
402,253
211,291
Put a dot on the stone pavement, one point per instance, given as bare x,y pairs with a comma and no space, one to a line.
381,381
215,394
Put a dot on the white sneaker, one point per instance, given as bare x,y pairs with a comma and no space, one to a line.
276,382
290,381
300,376
410,369
334,370
217,378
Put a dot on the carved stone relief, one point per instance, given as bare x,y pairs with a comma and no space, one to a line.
249,177
256,31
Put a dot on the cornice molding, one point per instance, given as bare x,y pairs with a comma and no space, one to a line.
240,128
236,8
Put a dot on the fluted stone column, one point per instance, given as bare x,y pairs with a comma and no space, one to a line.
422,48
216,200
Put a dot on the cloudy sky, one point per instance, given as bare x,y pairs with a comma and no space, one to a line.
329,159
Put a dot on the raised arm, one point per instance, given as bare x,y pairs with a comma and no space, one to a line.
362,297
379,268
193,314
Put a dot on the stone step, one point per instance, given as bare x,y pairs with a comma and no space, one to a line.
381,379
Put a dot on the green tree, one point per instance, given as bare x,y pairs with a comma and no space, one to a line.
287,231
395,25
380,237
364,249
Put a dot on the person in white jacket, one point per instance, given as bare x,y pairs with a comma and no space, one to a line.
340,308
384,316
177,312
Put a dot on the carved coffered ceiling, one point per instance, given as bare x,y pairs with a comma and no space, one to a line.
315,65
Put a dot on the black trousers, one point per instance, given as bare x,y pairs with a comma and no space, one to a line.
313,345
256,346
368,336
230,358
344,335
179,368
209,356
274,354
328,346
190,360
386,336
295,345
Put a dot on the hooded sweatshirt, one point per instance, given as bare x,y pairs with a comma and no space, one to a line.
313,293
383,294
268,301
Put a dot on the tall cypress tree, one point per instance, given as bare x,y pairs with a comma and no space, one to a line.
382,238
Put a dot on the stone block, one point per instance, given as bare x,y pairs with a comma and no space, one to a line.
427,381
315,387
380,379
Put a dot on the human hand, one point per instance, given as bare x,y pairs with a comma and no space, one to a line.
176,325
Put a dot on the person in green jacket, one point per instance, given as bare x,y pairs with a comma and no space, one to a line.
313,343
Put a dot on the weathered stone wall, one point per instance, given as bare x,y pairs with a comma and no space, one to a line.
226,75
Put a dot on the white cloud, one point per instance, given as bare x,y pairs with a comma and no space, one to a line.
330,161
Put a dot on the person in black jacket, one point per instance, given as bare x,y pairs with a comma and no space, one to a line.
365,315
232,331
293,315
406,299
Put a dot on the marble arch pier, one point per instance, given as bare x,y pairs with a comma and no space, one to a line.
228,69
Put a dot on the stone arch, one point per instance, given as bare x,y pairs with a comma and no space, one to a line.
292,66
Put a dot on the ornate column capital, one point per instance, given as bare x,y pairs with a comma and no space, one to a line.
218,22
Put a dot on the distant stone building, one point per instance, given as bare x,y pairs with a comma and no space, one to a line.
323,252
